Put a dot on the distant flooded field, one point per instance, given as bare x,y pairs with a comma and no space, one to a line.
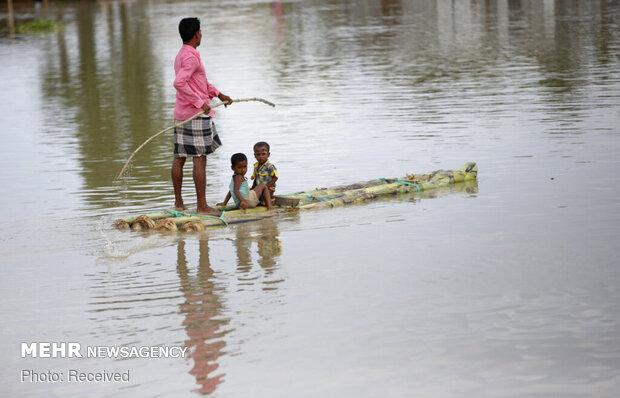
508,289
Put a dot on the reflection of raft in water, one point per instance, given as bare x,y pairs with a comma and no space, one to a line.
464,177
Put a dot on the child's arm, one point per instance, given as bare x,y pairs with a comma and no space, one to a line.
272,182
225,200
254,177
238,180
274,176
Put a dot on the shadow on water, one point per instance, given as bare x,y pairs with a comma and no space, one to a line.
103,79
551,33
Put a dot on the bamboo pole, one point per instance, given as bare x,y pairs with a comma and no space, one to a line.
182,123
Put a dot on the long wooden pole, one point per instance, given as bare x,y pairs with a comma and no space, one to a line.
182,123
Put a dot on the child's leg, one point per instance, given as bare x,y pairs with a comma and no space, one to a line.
271,195
262,193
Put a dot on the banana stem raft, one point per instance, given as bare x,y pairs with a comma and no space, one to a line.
464,177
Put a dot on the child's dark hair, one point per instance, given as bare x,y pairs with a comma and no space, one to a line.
188,28
262,144
237,157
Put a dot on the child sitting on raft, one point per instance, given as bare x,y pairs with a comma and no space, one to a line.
239,190
264,171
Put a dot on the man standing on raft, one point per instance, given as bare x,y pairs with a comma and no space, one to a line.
197,138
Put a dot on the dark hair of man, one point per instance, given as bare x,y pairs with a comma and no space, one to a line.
188,28
261,144
237,157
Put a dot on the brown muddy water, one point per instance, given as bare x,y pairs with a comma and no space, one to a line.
510,290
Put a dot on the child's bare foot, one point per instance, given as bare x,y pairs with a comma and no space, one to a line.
208,211
179,207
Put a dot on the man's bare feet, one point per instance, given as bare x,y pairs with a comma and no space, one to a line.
208,211
180,207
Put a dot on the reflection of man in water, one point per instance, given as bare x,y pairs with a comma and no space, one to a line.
202,307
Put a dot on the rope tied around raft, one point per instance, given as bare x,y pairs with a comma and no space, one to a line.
221,217
174,213
410,183
181,214
402,182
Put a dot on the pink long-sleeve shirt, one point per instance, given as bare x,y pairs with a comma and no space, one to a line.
193,88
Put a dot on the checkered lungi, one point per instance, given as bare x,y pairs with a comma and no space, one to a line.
195,138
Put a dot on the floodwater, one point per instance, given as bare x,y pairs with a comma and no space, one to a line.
509,290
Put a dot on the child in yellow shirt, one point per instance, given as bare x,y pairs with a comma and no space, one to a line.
264,171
